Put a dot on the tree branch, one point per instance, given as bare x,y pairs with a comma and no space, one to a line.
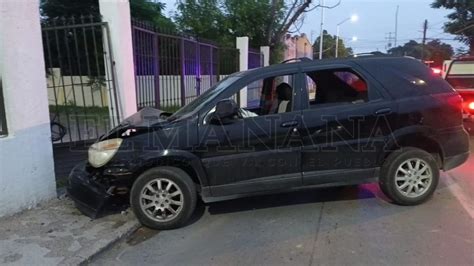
284,28
295,2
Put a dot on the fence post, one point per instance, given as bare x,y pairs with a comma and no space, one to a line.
183,68
198,68
265,50
211,65
242,44
156,68
117,15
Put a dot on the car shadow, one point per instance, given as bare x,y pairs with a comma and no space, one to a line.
305,196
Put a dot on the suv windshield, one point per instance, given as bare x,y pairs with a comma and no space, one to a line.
207,96
461,75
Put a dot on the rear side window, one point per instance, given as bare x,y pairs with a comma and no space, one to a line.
336,86
404,77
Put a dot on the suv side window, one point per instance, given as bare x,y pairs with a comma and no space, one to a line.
271,95
330,87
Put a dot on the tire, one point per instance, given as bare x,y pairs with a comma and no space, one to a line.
411,187
152,205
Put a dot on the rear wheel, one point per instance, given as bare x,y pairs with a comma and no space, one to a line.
163,198
409,176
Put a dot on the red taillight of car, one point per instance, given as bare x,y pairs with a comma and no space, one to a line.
454,100
471,106
436,71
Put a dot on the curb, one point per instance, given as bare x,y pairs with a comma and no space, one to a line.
87,258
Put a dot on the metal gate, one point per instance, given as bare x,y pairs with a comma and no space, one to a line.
80,77
172,69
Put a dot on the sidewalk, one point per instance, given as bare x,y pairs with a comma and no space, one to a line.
57,233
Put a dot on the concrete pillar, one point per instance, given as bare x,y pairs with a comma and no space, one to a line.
242,43
117,14
265,50
26,157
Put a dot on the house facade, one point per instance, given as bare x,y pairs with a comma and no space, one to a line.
297,46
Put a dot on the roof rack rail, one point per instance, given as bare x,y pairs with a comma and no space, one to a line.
362,54
375,54
301,59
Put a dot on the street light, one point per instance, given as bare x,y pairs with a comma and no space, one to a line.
352,18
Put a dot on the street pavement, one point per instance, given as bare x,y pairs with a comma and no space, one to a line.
335,226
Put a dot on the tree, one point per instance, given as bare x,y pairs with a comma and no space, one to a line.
439,52
150,11
435,50
411,48
202,18
145,10
266,22
461,20
329,47
53,9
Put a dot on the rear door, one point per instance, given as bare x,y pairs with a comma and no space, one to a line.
347,118
460,75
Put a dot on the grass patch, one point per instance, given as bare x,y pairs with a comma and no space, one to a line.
170,108
79,110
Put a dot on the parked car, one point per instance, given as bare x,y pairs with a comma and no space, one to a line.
386,120
459,73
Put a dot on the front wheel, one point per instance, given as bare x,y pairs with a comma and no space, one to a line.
163,198
409,176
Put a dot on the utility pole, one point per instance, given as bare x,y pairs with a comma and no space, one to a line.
396,27
390,41
425,28
321,36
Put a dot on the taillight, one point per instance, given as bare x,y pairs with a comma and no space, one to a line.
450,109
436,71
454,100
471,106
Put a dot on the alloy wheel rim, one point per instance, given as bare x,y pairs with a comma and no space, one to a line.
161,200
413,178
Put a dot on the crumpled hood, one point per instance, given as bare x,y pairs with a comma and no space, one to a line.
145,117
137,123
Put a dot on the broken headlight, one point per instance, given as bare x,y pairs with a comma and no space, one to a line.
100,153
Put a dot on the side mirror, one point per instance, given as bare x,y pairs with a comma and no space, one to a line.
226,111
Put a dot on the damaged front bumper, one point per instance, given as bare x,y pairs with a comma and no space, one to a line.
94,194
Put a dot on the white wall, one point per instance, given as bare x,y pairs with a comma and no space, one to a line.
63,90
26,159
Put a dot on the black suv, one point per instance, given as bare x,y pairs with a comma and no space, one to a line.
278,128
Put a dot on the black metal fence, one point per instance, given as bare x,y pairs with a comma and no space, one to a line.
171,69
255,58
80,76
3,119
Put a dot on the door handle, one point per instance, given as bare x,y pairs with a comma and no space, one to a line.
289,124
383,111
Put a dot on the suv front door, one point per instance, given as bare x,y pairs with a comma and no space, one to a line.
256,153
